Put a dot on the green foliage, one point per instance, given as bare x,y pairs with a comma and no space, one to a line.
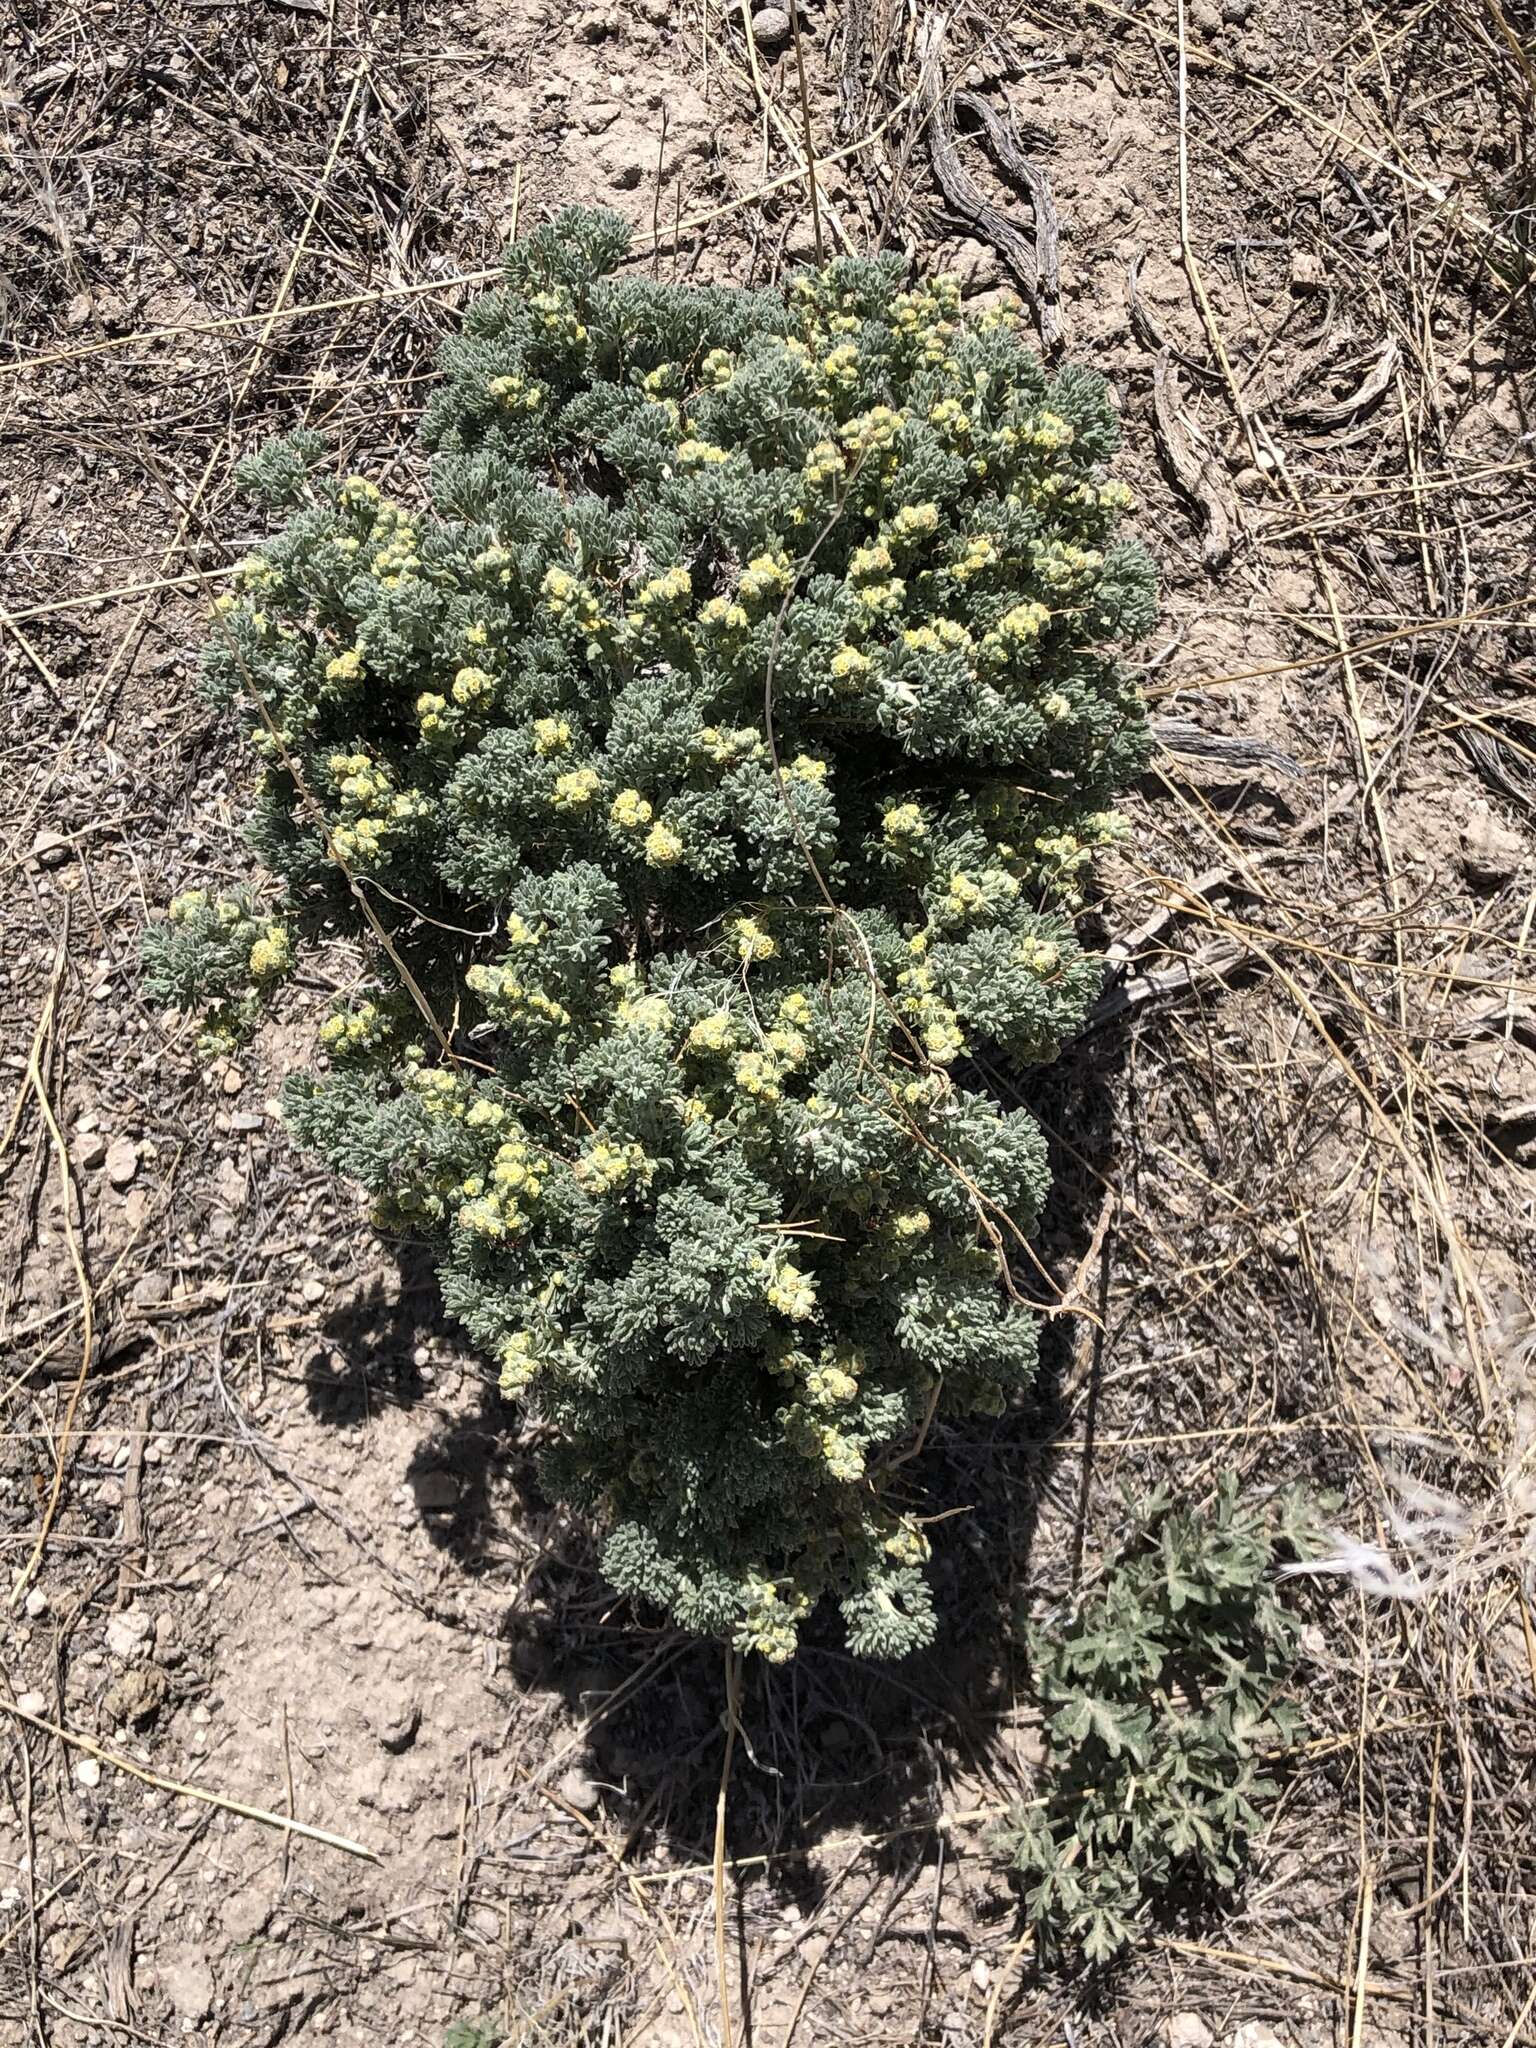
1160,1694
481,2033
729,607
219,955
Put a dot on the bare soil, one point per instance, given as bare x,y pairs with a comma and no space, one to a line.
272,1539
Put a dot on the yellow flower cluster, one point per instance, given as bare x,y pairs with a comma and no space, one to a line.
571,602
630,810
353,1030
752,941
550,736
500,1205
771,1624
272,954
516,394
937,1024
373,811
511,1000
723,615
346,667
728,744
554,315
1017,629
473,688
903,825
788,1290
764,578
604,1167
663,847
574,790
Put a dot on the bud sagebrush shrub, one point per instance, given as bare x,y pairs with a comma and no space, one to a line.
712,763
1161,1693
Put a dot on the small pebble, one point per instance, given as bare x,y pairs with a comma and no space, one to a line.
88,1773
32,1702
122,1162
770,28
37,1604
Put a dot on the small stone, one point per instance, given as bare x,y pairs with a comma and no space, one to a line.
597,28
128,1633
1187,2030
578,1790
435,1491
137,1696
88,1773
32,1702
187,1982
1206,16
37,1604
88,1150
394,1715
52,850
976,268
600,115
1257,2034
122,1162
314,1291
233,1081
78,312
245,1120
1236,12
1491,854
770,28
981,1976
1249,482
1308,271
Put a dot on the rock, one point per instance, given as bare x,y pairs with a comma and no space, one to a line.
1249,482
187,1982
1206,16
598,27
233,1081
436,1491
578,1790
1236,12
88,1773
314,1291
32,1702
122,1162
128,1632
52,850
1491,854
976,268
245,1120
37,1604
394,1715
88,1150
599,115
1187,2030
137,1696
1308,272
771,28
1257,2034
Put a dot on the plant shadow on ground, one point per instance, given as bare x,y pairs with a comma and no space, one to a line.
830,1745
